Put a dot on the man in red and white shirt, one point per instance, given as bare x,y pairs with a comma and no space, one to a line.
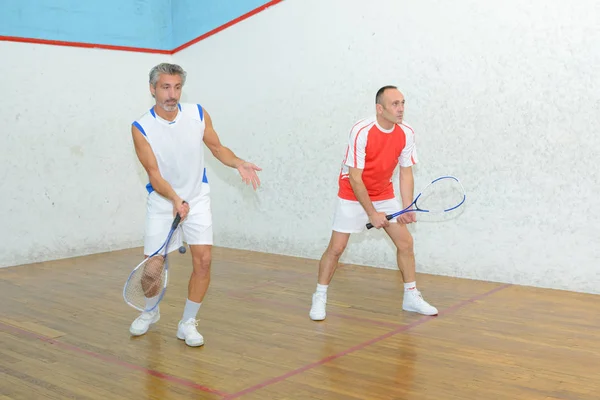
366,194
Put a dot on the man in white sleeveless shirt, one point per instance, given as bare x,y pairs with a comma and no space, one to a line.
169,141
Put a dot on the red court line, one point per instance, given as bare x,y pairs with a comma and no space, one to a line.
83,45
360,346
241,294
141,49
227,25
110,359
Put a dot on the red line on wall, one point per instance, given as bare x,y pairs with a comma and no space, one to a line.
84,45
141,49
227,25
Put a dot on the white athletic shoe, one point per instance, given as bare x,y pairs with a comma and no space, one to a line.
317,310
141,324
187,331
414,302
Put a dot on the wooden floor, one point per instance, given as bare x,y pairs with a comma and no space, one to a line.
64,335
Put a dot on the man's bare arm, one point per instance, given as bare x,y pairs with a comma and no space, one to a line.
146,156
212,141
247,170
360,190
407,186
362,195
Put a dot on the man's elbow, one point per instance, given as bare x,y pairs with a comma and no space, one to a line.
153,176
216,151
355,180
406,172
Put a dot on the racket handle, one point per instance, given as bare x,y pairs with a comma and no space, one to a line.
388,217
176,221
177,218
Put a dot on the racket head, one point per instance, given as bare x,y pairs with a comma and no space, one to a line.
148,279
441,195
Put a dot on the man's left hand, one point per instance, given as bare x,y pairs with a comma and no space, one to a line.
407,218
247,171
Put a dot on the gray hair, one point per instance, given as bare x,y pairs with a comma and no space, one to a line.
169,69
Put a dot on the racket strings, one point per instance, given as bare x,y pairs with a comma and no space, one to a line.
441,195
147,281
152,275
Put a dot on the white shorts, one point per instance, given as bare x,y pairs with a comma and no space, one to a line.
196,228
351,217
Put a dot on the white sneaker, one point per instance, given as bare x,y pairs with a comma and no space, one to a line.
414,302
141,324
187,331
317,310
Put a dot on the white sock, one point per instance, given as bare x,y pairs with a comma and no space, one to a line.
191,309
408,286
151,302
322,288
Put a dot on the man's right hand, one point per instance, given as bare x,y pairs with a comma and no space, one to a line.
378,220
181,207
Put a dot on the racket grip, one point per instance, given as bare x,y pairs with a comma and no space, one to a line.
177,218
176,221
388,217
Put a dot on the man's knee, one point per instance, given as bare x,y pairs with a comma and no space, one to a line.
201,259
405,244
337,246
336,250
401,237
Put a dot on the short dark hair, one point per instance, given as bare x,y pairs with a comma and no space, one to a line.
379,94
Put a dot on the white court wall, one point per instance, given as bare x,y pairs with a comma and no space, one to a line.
503,95
70,183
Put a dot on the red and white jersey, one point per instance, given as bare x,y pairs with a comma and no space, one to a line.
377,152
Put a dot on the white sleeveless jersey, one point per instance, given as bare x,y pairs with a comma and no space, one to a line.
179,150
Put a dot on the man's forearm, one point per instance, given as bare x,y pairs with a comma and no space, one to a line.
362,195
407,188
227,157
162,187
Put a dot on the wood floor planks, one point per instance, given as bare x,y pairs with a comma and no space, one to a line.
64,334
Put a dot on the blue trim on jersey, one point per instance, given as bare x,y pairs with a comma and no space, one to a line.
201,112
137,125
150,189
172,122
